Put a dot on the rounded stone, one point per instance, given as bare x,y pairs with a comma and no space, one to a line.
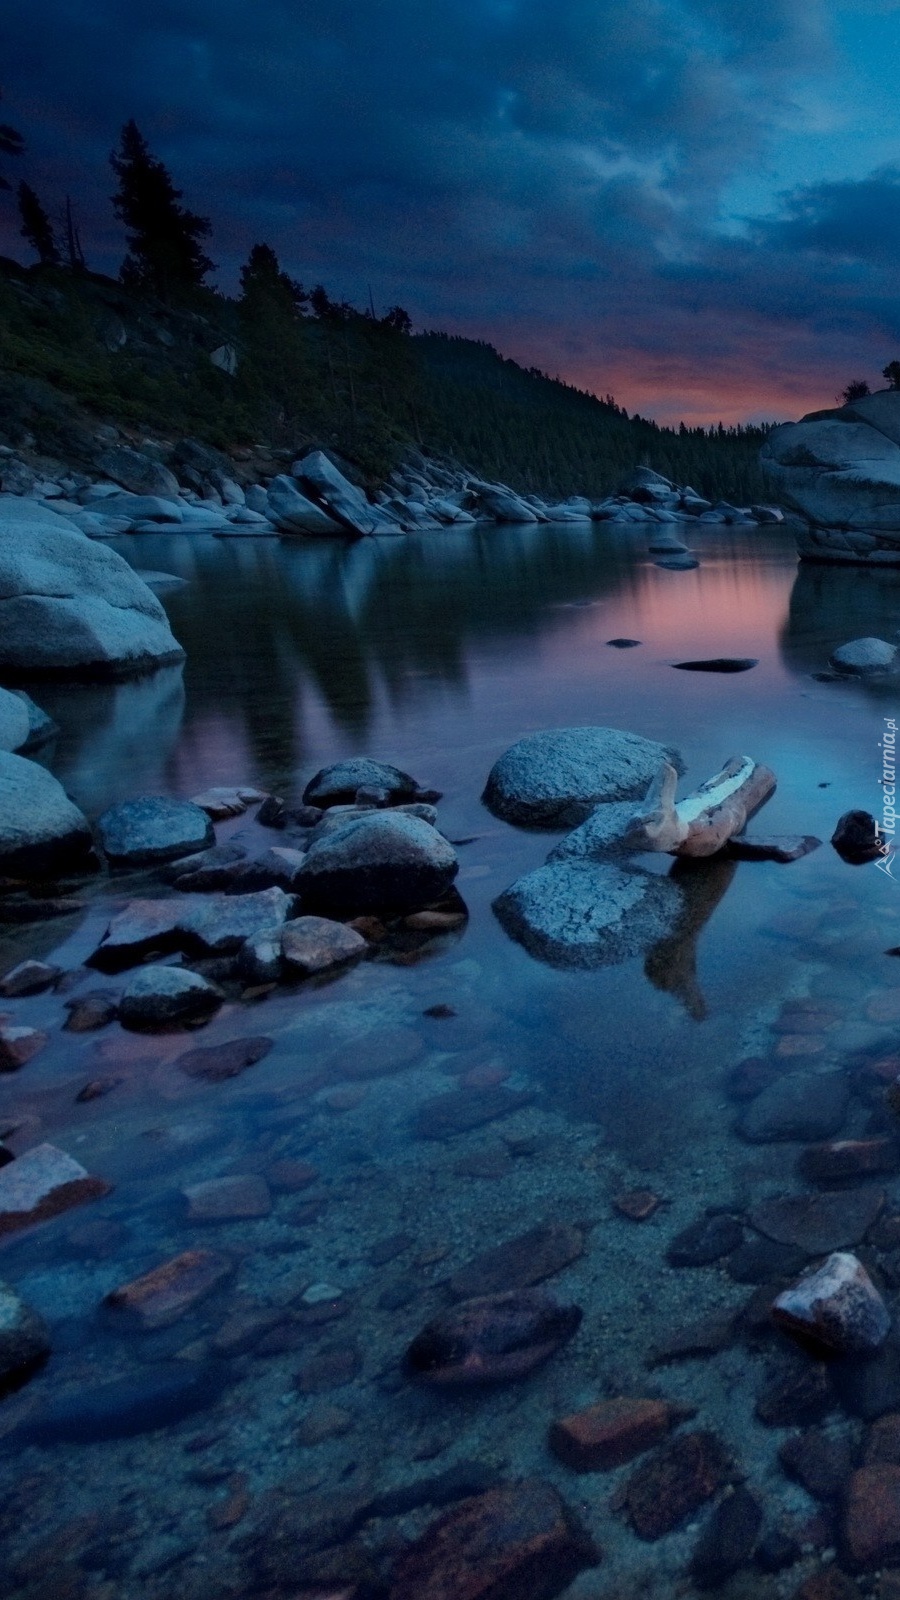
41,830
141,832
384,861
337,785
555,779
160,997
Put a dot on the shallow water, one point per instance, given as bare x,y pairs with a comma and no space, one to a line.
436,654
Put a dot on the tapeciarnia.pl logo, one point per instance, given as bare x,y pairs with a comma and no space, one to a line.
888,747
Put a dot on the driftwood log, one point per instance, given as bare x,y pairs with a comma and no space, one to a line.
703,822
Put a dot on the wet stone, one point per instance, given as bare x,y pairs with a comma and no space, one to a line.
608,1434
796,1391
781,847
96,1088
19,1045
331,1368
289,1177
830,1584
882,1441
216,1062
90,1011
705,1337
29,977
728,1539
760,1260
386,1050
312,945
798,1105
819,1223
389,1249
155,1396
836,1306
159,997
820,1459
844,1159
517,1540
24,1340
488,1164
321,1423
872,1516
141,832
870,1388
459,1111
41,1183
167,1292
228,1199
492,1339
749,1077
636,1204
675,1482
521,1262
705,1241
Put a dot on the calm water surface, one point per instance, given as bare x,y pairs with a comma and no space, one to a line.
435,655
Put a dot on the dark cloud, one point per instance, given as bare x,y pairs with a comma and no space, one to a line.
548,176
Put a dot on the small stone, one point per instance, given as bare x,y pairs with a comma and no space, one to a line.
674,1483
705,1241
798,1105
460,1111
319,1294
836,1306
728,1540
521,1262
228,1199
345,1098
636,1204
217,1062
330,1369
311,945
167,1292
229,1512
19,1045
857,838
608,1434
29,977
288,1176
793,1046
820,1460
488,1164
872,1515
439,1012
761,1260
705,1337
796,1391
93,1010
848,1158
492,1339
819,1223
42,1182
96,1089
143,832
435,921
882,1441
519,1540
323,1422
830,1584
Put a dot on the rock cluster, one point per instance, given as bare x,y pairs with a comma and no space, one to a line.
647,496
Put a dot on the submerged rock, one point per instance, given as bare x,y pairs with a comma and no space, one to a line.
164,997
167,1292
41,1183
555,779
217,1062
518,1540
728,1540
871,1523
150,1397
606,833
142,832
608,1434
798,1105
836,1305
384,862
18,1045
491,1339
573,913
520,1263
41,831
819,1223
337,785
215,924
776,847
24,1340
13,721
718,664
675,1482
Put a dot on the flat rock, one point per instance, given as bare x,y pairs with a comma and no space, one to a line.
215,924
603,835
337,785
163,997
675,1482
41,831
217,1062
608,1434
386,861
225,801
843,1159
555,779
142,832
29,977
728,1540
515,1541
784,847
228,1199
90,1011
705,1241
798,1105
166,1293
818,1223
497,1338
41,1183
521,1262
154,1396
836,1306
587,914
871,1524
460,1110
718,664
311,945
24,1340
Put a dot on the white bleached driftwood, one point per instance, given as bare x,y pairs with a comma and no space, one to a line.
701,823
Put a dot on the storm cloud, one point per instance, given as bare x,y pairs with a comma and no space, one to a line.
547,176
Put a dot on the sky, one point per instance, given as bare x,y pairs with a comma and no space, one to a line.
693,205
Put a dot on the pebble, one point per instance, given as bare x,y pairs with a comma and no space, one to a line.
321,1423
492,1339
636,1204
90,1011
331,1368
705,1241
320,1293
41,1183
796,1391
608,1434
728,1540
836,1306
871,1524
820,1459
289,1176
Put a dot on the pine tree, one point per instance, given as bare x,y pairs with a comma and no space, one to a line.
265,288
37,227
11,144
164,249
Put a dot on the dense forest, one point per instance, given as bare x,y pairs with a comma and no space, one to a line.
162,352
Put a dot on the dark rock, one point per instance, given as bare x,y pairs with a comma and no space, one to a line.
818,1223
796,1391
89,1011
18,1045
857,838
515,1541
165,997
29,977
216,1062
882,1442
312,945
848,1158
872,1516
870,1388
215,924
337,785
821,1460
492,1339
684,563
675,1482
142,832
458,1482
556,778
95,1089
521,1262
623,644
705,1241
636,1204
782,847
271,813
460,1110
829,1583
140,474
24,1340
776,1550
150,1397
749,1077
329,1369
761,1260
799,1105
41,830
608,1434
384,861
718,664
728,1540
705,1337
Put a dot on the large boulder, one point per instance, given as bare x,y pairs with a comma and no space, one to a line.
337,785
137,472
41,831
575,913
504,506
71,606
14,721
292,512
841,469
138,833
388,861
556,779
327,487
